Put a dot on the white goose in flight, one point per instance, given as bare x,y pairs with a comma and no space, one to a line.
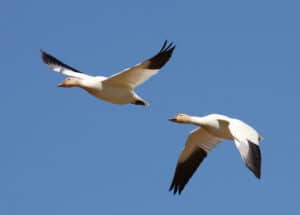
213,129
118,88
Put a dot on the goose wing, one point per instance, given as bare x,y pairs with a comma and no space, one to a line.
247,140
136,75
60,67
197,146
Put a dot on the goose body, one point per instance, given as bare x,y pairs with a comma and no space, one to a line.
114,94
118,88
213,129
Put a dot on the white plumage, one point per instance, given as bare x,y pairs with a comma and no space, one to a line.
119,88
213,129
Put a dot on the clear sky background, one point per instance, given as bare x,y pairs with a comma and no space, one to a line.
64,152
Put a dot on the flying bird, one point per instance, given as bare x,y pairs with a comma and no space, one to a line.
118,88
214,128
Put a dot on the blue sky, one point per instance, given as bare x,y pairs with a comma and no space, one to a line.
65,152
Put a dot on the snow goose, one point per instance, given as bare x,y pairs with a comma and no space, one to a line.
119,88
213,129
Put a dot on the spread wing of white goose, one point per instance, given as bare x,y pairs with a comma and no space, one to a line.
213,129
119,88
61,67
197,146
138,74
247,140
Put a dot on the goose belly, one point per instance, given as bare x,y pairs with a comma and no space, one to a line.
221,132
113,95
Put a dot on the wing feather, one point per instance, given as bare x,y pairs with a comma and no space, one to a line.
138,74
60,67
197,146
247,140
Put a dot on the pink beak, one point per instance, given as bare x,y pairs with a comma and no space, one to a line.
172,119
61,84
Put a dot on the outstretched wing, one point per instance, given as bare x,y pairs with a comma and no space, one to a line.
61,67
198,144
134,76
247,140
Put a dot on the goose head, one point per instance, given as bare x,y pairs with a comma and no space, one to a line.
69,82
180,118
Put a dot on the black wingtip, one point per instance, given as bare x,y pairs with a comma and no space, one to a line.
163,56
185,170
257,173
175,188
44,56
53,61
167,47
254,159
49,59
164,45
171,188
